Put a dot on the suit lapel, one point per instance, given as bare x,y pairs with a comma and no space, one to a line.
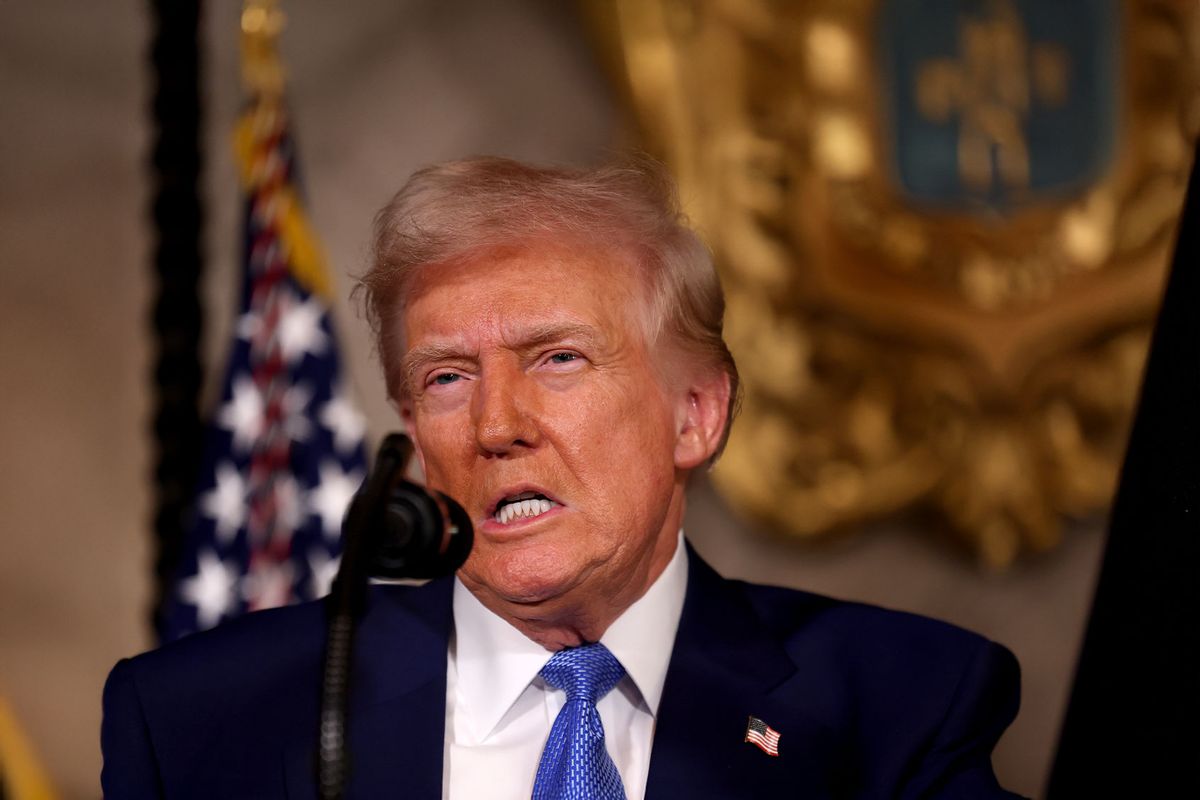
725,667
398,699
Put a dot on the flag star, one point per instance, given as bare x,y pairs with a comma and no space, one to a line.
347,424
243,414
248,325
332,495
324,568
211,590
300,330
225,503
294,404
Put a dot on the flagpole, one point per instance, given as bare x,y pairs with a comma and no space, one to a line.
176,315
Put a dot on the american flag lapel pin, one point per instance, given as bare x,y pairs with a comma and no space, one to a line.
762,736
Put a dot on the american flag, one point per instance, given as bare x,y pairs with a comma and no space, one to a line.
763,736
284,450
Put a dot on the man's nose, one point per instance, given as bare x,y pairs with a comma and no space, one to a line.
501,410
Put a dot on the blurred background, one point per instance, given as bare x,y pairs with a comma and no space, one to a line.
943,228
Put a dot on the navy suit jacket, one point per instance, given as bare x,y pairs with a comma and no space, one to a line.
868,703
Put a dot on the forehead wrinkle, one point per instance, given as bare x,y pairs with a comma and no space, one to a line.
527,337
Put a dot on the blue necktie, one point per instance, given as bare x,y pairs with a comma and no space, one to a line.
575,764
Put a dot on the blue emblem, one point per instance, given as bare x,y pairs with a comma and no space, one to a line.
994,104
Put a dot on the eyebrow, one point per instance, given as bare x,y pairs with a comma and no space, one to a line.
549,332
420,356
530,338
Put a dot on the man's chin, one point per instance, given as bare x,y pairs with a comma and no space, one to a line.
529,593
518,583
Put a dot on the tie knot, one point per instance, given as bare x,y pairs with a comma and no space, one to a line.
588,672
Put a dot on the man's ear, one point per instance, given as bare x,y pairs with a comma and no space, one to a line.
700,419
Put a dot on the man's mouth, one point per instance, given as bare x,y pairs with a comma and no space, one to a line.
525,505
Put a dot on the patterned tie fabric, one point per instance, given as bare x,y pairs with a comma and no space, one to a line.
575,764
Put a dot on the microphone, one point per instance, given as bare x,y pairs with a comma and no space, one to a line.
393,529
412,532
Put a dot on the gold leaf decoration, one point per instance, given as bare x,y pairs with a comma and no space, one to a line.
972,346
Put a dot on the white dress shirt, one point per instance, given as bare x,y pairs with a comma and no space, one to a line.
499,711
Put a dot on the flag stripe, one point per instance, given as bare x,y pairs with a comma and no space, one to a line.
762,735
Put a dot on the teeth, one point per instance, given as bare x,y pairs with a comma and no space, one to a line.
532,506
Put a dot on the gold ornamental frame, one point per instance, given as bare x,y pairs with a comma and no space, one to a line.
979,361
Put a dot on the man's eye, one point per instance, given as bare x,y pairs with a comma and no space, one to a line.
563,358
444,378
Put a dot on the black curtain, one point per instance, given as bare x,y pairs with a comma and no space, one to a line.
1131,725
176,316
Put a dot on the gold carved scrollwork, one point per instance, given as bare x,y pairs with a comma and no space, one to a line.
981,360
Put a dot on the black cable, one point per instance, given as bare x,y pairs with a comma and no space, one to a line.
393,529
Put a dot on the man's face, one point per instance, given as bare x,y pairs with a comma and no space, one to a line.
535,401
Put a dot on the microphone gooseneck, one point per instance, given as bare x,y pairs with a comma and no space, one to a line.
393,529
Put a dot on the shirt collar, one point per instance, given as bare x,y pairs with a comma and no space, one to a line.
496,663
643,637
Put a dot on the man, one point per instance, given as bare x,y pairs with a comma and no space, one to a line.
551,339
